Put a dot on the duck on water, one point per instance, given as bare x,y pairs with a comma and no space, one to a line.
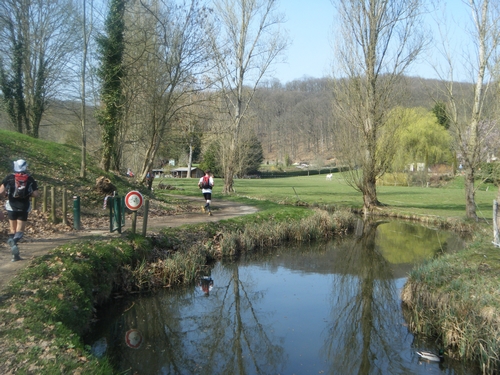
429,356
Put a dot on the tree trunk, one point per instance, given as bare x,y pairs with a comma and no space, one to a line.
470,204
151,151
229,172
106,158
190,159
83,109
370,196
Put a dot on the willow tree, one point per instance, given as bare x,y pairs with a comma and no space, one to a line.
246,44
376,43
418,137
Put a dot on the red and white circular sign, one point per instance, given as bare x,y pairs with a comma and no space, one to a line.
133,338
133,200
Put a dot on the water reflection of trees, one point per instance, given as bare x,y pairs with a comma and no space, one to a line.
365,320
187,333
241,343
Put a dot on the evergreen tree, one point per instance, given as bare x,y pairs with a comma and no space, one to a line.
439,111
251,156
111,48
212,159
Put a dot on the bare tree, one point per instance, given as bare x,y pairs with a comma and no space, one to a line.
37,43
167,58
248,42
470,113
377,41
86,33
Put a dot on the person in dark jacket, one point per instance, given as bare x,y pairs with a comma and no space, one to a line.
18,203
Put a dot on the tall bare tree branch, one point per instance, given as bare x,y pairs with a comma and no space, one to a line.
378,40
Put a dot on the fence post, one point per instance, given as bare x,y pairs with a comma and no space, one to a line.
53,203
117,213
145,218
111,203
44,206
64,207
76,212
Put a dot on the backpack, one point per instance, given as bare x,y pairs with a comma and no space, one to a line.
205,183
21,185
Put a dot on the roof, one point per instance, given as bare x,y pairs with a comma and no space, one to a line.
183,169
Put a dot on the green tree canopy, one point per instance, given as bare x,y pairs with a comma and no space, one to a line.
111,72
420,138
439,111
211,159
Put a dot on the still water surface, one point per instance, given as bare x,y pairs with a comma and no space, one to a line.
314,309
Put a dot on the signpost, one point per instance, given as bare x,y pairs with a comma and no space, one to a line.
133,201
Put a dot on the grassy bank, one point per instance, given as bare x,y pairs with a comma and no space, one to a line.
51,303
455,300
57,165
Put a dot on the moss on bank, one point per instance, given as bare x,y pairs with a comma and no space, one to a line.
50,304
455,299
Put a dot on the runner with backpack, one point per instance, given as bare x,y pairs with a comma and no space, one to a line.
206,184
19,187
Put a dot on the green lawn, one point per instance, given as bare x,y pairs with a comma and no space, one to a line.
448,201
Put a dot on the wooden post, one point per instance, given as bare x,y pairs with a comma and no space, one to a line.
145,219
44,206
33,203
64,207
134,221
53,203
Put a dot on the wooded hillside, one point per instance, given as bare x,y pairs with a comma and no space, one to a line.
294,122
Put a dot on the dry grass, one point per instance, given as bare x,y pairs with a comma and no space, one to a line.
320,225
456,300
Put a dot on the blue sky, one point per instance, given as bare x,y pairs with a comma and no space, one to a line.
309,24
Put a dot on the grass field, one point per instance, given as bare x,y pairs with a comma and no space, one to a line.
446,202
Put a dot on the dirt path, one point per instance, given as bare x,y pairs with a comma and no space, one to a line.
33,247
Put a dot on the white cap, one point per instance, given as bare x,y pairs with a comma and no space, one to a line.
20,165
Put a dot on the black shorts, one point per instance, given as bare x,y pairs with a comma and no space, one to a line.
17,215
207,196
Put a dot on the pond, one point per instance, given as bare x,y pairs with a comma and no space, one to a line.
329,308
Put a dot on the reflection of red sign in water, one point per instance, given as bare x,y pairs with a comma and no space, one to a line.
206,283
133,200
133,339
